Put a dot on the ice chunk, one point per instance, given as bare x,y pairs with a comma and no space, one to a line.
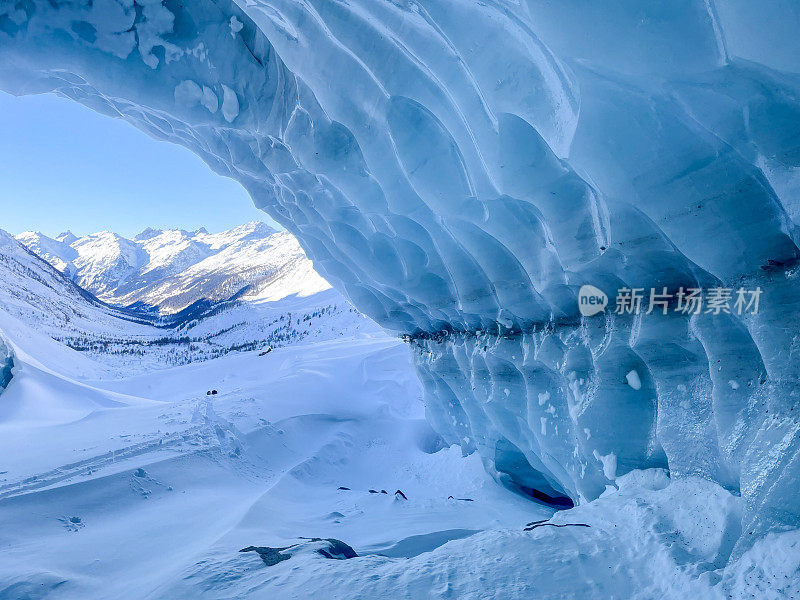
236,26
188,93
230,104
633,380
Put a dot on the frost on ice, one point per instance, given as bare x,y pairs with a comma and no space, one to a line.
460,169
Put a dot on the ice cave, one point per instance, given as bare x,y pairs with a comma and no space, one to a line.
459,169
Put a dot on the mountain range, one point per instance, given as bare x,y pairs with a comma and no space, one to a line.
166,298
166,271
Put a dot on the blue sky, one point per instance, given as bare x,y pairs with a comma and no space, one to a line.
63,166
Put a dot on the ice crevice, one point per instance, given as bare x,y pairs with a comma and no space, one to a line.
460,169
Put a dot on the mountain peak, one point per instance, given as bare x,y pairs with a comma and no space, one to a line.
253,227
30,234
66,237
147,233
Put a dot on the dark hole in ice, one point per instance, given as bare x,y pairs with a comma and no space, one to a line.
561,502
516,473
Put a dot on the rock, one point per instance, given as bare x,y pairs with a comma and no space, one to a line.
330,548
270,556
336,549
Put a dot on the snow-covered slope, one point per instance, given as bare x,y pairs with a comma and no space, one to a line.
169,270
105,262
56,251
33,291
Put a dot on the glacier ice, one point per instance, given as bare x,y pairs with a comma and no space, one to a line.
459,169
6,364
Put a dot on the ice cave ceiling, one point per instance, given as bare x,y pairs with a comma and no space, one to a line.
460,168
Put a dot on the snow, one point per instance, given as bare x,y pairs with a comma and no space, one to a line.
236,26
188,93
104,471
230,104
57,252
609,462
151,459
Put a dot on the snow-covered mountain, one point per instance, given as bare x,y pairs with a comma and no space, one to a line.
281,300
170,270
36,293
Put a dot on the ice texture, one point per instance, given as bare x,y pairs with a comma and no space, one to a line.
459,169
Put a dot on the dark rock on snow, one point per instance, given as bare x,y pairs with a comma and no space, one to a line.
335,550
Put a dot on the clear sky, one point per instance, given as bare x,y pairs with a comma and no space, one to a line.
64,166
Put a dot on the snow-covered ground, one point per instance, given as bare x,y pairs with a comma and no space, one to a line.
147,487
126,488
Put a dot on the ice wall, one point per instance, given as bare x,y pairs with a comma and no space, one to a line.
459,169
6,365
